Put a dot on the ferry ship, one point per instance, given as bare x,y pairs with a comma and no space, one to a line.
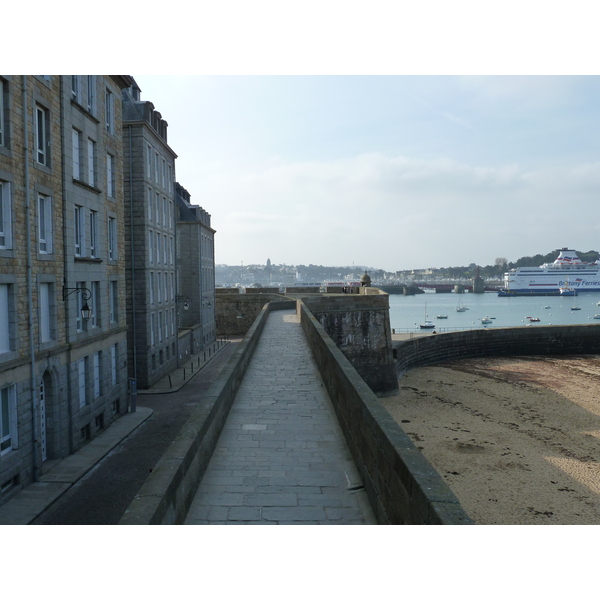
567,275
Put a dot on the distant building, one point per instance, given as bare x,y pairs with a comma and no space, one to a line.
149,177
196,272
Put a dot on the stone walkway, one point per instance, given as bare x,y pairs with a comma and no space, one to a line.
282,457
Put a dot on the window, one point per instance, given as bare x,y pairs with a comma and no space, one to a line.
93,233
5,216
79,225
173,324
45,306
153,329
110,175
91,162
81,369
96,367
164,174
76,154
45,224
159,287
149,161
3,115
4,318
151,287
91,93
164,211
8,419
95,304
110,111
165,248
42,135
156,168
114,302
157,209
160,326
151,246
150,201
158,245
114,357
112,238
80,323
76,88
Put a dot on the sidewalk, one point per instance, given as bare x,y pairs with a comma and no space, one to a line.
37,497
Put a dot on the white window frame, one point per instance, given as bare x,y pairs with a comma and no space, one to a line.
79,230
112,238
91,162
5,297
95,300
8,419
114,362
80,324
91,94
76,88
96,360
94,233
45,310
2,109
151,288
5,215
81,381
110,175
76,146
42,135
114,301
45,237
109,110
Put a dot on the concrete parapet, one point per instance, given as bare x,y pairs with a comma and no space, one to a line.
402,487
235,313
169,490
506,341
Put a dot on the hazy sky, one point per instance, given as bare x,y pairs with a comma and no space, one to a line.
391,172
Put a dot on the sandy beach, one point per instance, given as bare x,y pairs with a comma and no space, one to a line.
516,439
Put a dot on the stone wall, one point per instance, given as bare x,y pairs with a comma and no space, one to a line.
235,313
508,341
359,324
402,487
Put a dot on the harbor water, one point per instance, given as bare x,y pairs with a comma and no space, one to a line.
408,312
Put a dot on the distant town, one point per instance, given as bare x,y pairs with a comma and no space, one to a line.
275,275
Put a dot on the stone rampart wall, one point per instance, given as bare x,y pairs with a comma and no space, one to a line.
402,487
508,341
235,313
167,494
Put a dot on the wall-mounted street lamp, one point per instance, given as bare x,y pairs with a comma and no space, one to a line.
186,303
86,294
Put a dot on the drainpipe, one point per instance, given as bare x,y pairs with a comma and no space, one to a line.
65,220
133,384
30,324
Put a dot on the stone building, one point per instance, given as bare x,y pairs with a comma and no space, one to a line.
63,374
196,272
150,247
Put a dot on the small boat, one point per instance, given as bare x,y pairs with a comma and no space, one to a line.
427,324
534,320
486,319
565,290
596,316
575,307
441,316
546,307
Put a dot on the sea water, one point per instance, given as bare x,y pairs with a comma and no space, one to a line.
408,312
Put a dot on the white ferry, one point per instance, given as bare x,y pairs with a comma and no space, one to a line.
566,272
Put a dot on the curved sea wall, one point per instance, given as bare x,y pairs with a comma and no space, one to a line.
506,341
